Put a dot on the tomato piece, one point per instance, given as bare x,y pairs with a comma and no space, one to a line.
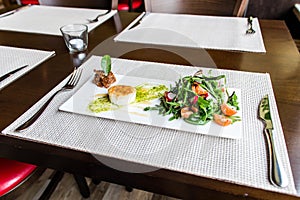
228,110
199,90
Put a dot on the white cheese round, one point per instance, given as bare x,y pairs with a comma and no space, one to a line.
121,94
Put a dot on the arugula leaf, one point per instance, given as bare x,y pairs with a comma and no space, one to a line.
106,64
232,100
235,118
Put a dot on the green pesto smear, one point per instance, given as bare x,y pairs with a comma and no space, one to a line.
144,92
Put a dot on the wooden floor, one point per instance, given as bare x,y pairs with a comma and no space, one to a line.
67,190
1,4
297,41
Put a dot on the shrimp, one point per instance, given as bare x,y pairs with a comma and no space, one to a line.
185,112
222,120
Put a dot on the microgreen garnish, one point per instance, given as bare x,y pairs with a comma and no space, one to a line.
106,64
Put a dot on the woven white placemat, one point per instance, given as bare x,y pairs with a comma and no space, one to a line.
48,19
242,161
196,31
12,58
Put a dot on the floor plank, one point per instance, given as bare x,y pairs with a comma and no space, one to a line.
67,189
297,41
116,192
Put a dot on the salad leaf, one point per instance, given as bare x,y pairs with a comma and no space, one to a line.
235,118
232,100
106,64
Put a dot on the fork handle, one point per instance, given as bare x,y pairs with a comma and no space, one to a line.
108,11
36,115
278,176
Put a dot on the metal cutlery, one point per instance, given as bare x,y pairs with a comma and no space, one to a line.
138,21
250,29
12,72
7,13
96,18
14,11
277,174
72,82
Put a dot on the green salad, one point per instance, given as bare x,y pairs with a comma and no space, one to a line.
199,99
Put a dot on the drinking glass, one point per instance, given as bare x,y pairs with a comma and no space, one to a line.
75,37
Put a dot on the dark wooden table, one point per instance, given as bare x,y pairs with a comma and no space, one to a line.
282,61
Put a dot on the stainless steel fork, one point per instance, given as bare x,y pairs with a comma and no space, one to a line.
250,29
72,82
96,18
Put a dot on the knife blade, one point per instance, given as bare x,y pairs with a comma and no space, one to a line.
277,174
14,11
138,21
12,72
7,13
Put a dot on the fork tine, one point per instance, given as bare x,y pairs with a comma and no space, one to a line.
77,76
71,77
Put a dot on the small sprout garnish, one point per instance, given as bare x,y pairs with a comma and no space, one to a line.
106,64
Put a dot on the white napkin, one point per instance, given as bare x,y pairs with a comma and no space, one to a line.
209,32
12,58
48,19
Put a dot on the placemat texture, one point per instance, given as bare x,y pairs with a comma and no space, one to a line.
12,58
242,161
48,19
209,32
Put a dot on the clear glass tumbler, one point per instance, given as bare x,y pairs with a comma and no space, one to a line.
75,36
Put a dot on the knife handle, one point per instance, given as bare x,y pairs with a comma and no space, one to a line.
278,176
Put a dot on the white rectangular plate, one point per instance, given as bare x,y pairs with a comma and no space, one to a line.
134,113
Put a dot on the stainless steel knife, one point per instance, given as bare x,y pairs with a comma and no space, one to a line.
139,21
14,11
12,72
277,174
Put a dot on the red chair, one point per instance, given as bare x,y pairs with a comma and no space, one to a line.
26,2
129,5
99,4
14,174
